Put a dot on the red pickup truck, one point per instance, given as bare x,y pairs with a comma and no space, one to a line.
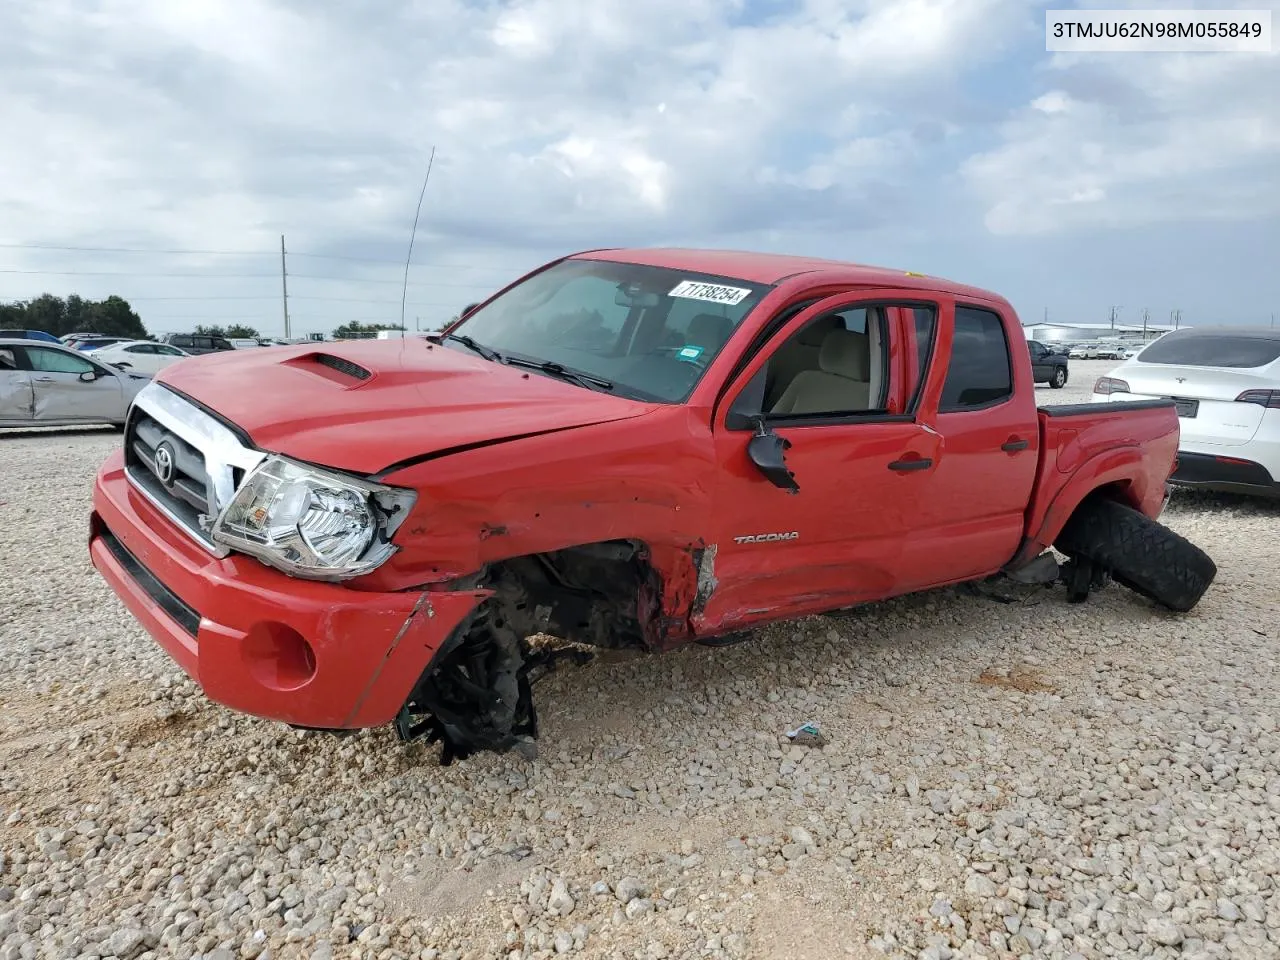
622,449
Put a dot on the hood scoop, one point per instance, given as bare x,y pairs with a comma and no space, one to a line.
337,369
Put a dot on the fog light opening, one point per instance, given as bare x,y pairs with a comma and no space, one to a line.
278,657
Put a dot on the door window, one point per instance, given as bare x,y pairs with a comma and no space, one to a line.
140,348
836,365
55,361
980,374
168,351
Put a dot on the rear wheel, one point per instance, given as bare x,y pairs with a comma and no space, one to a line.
1139,553
1059,378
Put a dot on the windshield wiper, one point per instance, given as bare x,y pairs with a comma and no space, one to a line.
563,372
487,352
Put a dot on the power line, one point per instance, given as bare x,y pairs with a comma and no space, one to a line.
234,276
171,251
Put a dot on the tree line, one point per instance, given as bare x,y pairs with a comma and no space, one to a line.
112,317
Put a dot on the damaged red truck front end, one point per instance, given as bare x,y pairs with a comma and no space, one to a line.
624,449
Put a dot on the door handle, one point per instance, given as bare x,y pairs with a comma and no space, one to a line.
915,463
43,379
1014,445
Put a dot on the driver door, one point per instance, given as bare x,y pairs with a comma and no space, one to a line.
61,394
837,387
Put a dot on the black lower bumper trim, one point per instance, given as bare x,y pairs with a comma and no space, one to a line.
165,598
1225,474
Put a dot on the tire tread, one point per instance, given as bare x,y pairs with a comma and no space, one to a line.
1141,553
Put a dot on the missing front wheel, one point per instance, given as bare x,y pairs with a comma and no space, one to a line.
477,693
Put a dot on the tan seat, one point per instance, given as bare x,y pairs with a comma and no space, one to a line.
798,354
842,381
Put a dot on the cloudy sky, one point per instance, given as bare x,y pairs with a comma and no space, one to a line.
158,149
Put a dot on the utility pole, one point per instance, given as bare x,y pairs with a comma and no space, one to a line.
284,287
1176,317
1146,316
1114,311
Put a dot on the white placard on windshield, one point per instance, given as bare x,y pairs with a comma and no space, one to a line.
711,292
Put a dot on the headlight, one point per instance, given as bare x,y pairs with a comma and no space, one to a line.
312,523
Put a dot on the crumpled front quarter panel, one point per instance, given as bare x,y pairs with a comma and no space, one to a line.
647,479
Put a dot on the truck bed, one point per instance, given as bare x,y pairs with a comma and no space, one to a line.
1126,449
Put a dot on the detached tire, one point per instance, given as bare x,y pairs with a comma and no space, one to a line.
1138,552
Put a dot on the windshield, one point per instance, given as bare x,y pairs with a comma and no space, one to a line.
637,331
1209,351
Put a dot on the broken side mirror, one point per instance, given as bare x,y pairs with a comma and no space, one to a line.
767,451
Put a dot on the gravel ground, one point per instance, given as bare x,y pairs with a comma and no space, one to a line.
1028,779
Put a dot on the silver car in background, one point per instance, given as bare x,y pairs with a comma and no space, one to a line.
51,385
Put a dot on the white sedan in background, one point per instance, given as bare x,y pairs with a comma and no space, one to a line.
1226,384
140,356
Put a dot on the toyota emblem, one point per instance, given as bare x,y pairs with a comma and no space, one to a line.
164,463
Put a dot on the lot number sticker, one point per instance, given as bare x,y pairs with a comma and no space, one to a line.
711,292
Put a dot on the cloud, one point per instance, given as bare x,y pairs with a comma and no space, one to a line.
1127,140
829,126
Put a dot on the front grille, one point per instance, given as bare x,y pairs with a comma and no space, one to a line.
172,469
184,460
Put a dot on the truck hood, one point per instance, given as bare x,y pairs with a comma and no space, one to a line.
366,405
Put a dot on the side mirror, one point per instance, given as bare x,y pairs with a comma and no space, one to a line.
767,451
89,376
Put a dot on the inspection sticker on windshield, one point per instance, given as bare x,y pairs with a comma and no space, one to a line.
711,292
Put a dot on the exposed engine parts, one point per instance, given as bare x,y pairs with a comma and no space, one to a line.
477,692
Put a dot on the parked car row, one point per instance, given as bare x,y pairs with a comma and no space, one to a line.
1102,350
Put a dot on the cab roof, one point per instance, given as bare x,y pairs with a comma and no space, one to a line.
773,268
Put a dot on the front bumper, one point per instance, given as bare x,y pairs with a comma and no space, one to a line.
299,651
1224,474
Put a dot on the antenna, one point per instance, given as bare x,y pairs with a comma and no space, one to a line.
405,293
284,285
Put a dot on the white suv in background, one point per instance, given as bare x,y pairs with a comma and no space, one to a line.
1226,384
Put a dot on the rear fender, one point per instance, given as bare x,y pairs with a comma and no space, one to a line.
1121,474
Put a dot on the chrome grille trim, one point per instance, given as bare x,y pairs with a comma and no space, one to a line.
226,461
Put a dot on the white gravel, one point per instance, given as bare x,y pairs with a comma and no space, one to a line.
1030,779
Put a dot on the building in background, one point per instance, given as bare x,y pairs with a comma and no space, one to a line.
1085,332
